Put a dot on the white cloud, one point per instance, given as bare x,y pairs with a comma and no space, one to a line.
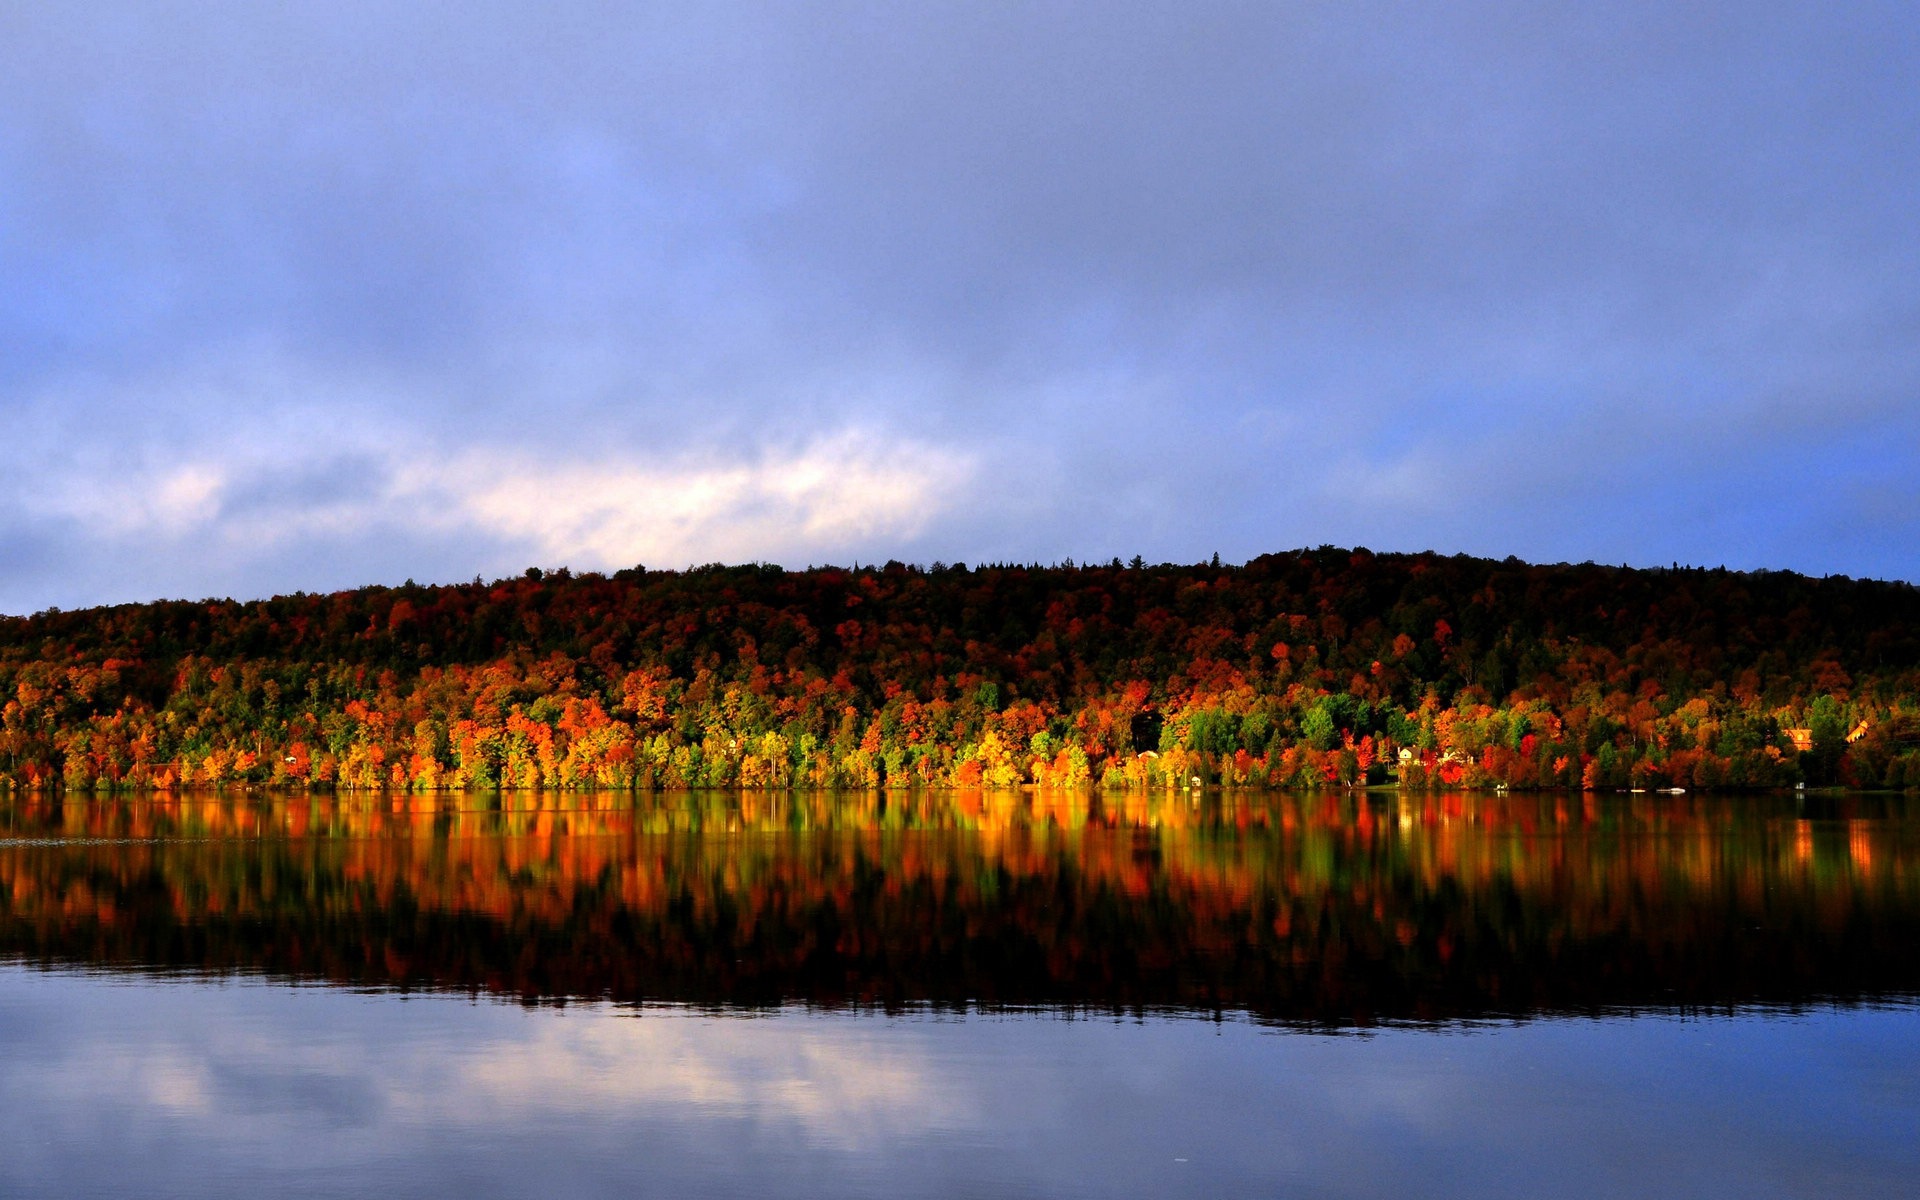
844,493
142,503
252,471
839,493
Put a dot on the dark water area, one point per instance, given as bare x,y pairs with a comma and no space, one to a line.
960,994
1337,911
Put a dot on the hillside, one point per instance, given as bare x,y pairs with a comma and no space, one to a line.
1309,668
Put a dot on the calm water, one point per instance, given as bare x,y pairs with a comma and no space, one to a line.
967,995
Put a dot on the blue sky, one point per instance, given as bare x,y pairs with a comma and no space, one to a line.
348,293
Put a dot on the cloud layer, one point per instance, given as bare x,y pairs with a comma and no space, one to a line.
339,293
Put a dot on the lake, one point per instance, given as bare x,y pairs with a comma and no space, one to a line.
960,994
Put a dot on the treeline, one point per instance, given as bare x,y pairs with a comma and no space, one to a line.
1308,669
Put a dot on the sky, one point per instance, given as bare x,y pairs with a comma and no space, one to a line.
309,296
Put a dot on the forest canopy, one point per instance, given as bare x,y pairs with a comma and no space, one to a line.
1312,668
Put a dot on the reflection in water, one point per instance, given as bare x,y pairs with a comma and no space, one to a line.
125,1085
1318,910
149,1043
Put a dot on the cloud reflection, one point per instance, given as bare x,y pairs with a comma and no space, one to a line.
229,1089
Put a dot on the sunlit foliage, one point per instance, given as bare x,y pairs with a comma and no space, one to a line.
1321,668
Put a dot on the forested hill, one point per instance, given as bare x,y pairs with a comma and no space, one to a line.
1304,669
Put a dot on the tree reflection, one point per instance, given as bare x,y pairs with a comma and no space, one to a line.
1320,909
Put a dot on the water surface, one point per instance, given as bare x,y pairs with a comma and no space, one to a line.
960,995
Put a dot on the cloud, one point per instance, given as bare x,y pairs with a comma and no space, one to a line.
169,502
828,499
830,496
1167,279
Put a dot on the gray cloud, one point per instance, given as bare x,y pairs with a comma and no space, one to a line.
1172,278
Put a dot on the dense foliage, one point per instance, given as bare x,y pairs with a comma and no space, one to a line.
1312,668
